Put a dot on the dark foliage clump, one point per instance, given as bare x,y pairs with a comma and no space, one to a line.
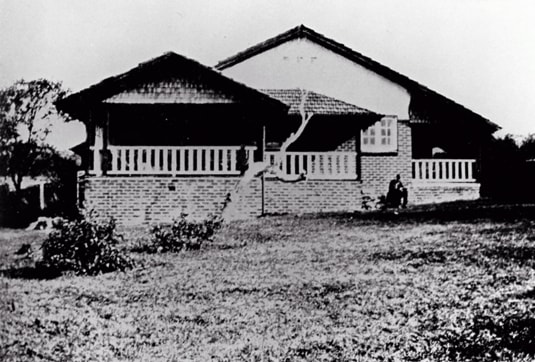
508,170
489,337
86,247
182,234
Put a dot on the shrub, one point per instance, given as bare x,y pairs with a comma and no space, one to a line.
182,234
86,247
502,329
492,337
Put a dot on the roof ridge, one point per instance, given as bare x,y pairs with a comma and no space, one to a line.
116,83
302,31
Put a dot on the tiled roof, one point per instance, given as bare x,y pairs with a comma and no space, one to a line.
415,88
314,102
172,91
169,78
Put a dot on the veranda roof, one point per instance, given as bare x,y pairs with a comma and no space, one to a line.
316,103
167,79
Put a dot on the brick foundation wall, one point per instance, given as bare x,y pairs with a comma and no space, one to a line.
147,200
421,193
143,200
312,196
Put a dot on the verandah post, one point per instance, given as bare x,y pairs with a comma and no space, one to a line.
97,147
105,158
262,177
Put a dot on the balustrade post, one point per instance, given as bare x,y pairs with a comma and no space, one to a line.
462,174
216,161
165,163
114,159
182,160
233,160
317,164
224,160
190,160
250,158
470,175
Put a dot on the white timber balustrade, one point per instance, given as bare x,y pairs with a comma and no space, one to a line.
317,165
176,160
442,170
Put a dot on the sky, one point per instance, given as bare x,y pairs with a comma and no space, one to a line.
479,53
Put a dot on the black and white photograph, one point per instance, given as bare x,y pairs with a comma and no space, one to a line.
299,180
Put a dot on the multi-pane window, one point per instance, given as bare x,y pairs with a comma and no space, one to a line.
381,136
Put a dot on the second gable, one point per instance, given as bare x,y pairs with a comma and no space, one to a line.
301,63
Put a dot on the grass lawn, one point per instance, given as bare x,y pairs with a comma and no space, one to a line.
444,285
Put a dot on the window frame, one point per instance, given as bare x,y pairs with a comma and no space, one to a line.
376,137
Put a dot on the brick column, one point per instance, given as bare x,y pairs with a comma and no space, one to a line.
379,168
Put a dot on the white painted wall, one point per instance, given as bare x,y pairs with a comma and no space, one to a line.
304,64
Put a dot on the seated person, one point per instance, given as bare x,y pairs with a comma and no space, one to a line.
397,195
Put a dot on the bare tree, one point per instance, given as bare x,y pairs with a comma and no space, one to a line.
274,169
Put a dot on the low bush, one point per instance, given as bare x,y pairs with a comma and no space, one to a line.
502,329
86,247
490,337
182,234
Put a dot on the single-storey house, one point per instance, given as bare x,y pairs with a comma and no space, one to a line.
167,136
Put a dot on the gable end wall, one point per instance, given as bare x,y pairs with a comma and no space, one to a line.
301,63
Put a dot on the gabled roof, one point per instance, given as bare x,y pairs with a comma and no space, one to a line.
169,78
172,91
416,89
316,103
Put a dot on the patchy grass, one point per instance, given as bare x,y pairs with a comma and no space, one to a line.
438,285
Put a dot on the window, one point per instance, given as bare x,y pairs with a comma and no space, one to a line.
380,137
